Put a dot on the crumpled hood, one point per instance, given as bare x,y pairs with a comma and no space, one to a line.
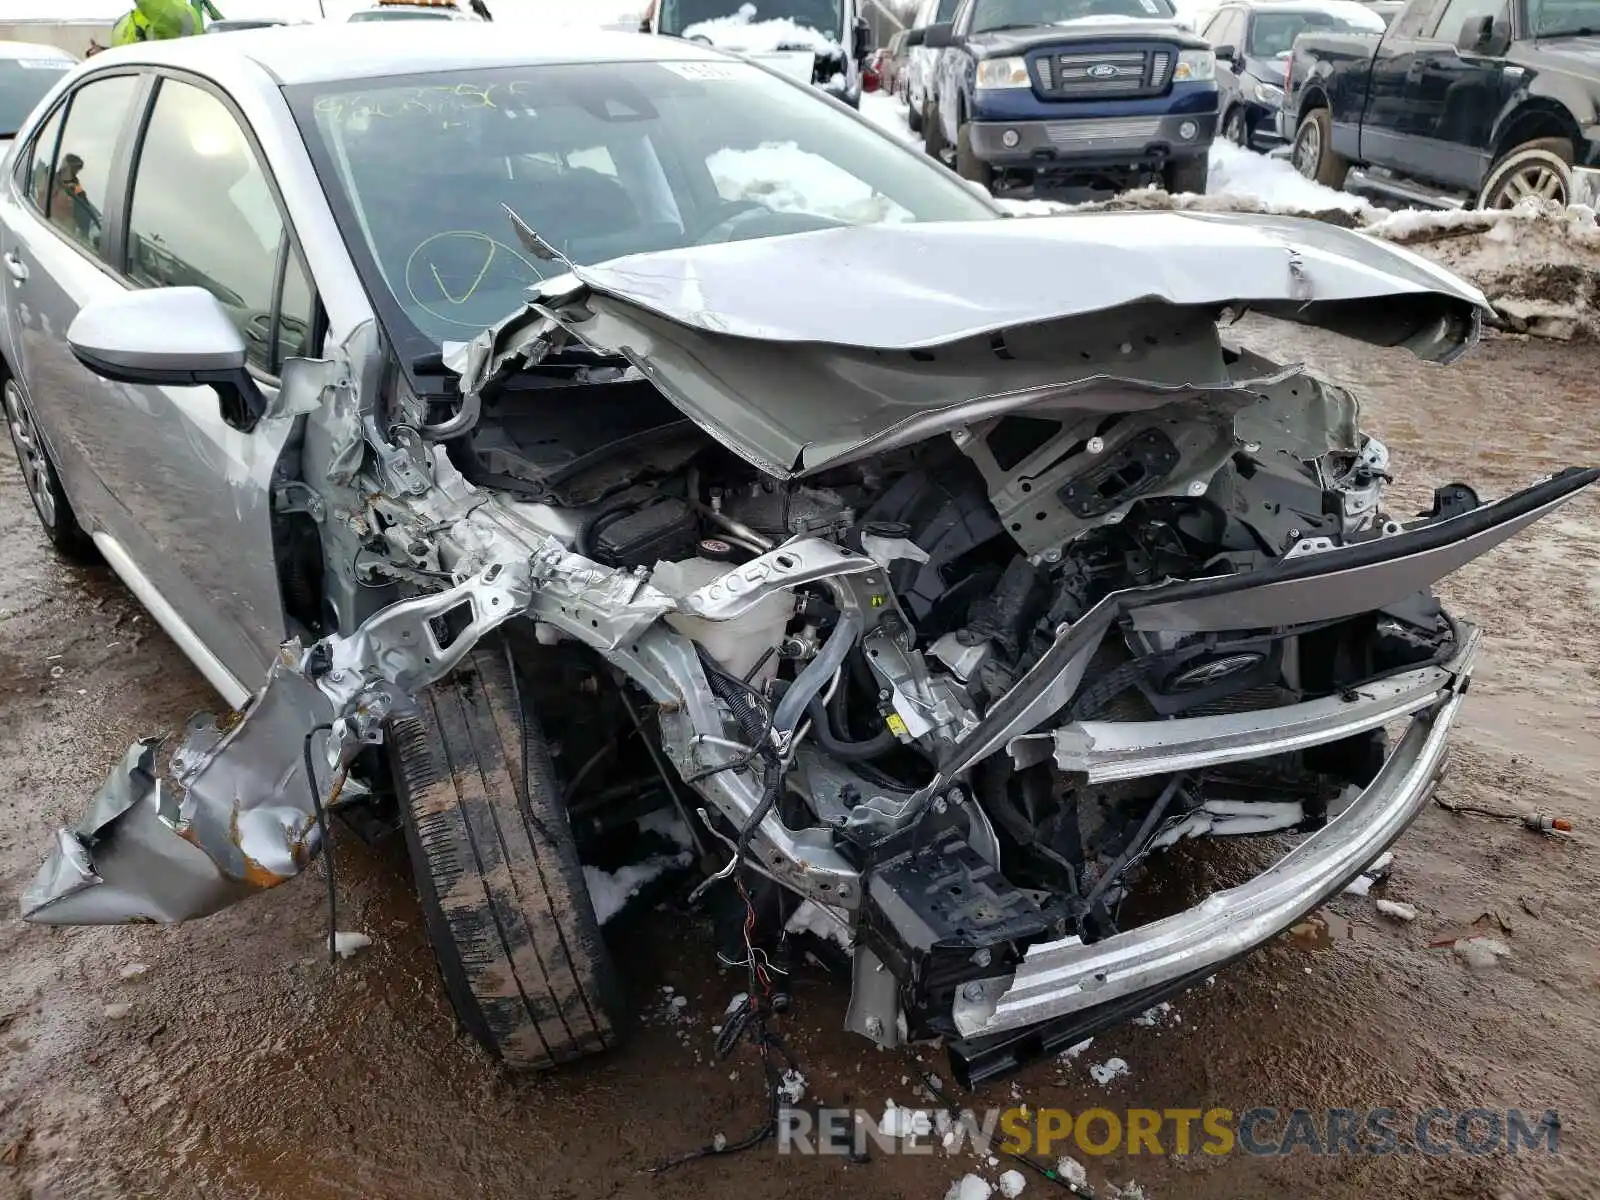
803,351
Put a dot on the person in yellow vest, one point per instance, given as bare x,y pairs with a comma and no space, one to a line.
158,20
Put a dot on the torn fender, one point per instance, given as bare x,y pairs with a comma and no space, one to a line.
236,816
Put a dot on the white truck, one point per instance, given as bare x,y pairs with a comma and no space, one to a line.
821,42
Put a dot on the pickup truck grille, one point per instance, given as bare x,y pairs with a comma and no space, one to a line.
1091,76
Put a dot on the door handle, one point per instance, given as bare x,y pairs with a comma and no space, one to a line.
17,269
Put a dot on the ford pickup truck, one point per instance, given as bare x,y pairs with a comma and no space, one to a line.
1459,103
1095,93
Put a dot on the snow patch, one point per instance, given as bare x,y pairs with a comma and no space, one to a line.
1011,1184
1077,1048
1397,910
1161,1014
820,922
969,1187
346,944
1112,1068
792,1087
1072,1171
744,33
904,1122
611,891
1481,953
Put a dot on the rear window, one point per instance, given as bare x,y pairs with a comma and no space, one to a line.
23,83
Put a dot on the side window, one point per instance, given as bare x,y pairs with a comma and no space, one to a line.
1457,12
1233,29
203,215
296,309
81,179
1415,17
39,160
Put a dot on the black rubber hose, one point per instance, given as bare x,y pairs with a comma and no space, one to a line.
821,728
1135,844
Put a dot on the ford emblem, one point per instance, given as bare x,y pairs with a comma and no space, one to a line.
1104,71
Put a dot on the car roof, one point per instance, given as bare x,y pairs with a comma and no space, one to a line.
10,50
338,51
1292,6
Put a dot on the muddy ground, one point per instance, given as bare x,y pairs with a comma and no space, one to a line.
246,1066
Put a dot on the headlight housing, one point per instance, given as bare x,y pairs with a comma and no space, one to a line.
1194,66
1003,73
1268,94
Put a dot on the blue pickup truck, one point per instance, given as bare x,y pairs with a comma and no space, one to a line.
1083,93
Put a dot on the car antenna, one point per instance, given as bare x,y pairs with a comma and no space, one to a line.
535,244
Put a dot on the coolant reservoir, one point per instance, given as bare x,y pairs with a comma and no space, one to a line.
737,644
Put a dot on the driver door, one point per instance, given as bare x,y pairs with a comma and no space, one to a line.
192,496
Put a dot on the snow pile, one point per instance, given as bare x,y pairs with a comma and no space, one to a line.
1112,1068
969,1187
742,32
1538,263
786,178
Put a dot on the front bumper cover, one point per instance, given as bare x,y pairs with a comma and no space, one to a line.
1066,976
1129,140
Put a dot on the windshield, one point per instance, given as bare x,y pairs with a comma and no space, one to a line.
23,83
601,160
1555,18
1011,14
1272,34
717,20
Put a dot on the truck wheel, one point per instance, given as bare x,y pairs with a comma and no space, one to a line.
913,114
50,503
932,135
1187,175
497,871
1541,168
1235,128
1313,150
968,164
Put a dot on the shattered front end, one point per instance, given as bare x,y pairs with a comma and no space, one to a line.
949,616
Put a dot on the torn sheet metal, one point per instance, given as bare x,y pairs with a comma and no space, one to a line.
236,816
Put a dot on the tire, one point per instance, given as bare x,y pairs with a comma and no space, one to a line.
932,135
913,114
1539,168
1235,128
39,476
1313,154
968,164
497,871
1187,175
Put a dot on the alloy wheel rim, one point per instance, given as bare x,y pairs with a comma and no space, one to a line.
1307,151
1536,179
30,454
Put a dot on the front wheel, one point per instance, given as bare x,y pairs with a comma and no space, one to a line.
1541,168
1313,154
913,114
497,872
40,477
1187,175
932,134
968,164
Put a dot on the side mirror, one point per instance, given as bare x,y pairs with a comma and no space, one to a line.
861,40
1483,35
169,337
913,38
1227,54
937,37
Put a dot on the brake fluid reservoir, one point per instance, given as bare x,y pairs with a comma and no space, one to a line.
737,644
